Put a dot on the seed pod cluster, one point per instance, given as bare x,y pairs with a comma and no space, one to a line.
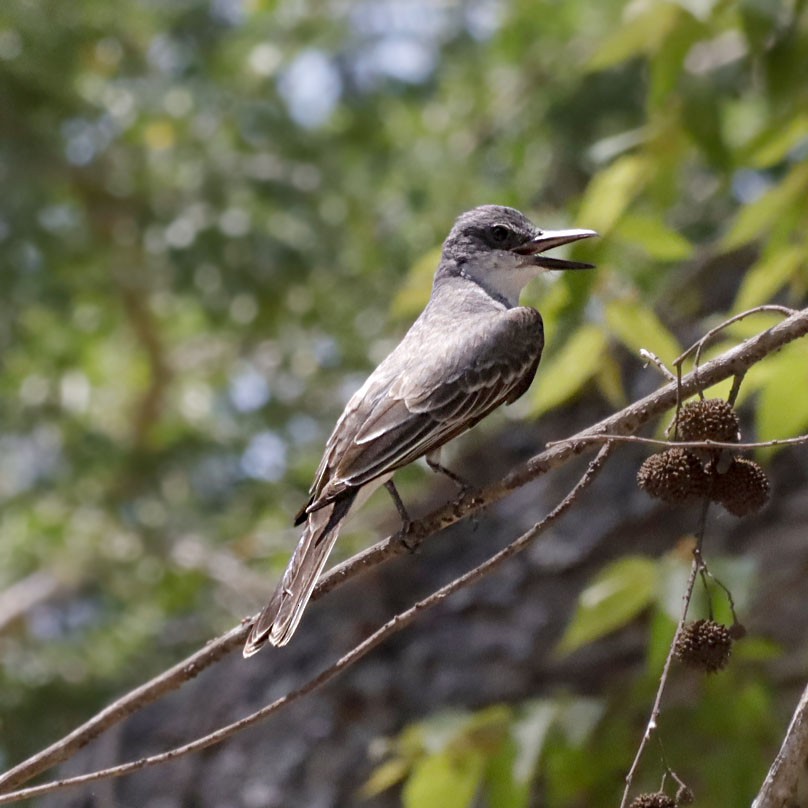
709,419
678,476
675,476
743,488
705,645
656,800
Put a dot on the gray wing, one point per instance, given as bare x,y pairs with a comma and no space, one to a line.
437,384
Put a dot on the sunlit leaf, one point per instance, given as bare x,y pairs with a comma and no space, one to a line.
702,119
782,410
384,776
636,36
445,779
766,277
612,191
760,20
569,370
666,65
636,326
658,240
758,217
613,599
775,142
501,787
610,382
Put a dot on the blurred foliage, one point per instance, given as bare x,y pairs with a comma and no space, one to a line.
575,751
209,208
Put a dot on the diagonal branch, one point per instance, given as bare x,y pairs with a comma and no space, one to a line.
625,422
392,626
785,783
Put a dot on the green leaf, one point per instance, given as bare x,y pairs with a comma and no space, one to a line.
637,36
448,779
385,776
767,276
530,732
761,215
612,190
776,141
501,787
617,595
658,240
702,118
759,19
570,369
636,326
668,60
609,380
782,410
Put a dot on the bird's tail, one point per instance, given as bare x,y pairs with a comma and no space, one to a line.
279,619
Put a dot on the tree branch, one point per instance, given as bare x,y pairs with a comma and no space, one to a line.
653,721
392,626
625,422
786,784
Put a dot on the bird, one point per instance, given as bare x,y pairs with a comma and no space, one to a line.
472,349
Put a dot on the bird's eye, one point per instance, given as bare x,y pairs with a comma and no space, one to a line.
500,233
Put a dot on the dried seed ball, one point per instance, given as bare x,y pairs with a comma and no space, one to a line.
656,800
684,796
674,476
710,419
737,631
743,488
704,644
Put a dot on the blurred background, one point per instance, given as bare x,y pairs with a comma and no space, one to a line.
218,215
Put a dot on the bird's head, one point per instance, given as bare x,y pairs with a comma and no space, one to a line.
501,249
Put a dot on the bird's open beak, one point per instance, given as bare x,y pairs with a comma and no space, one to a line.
554,238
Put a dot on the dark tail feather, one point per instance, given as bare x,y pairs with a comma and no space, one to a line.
278,621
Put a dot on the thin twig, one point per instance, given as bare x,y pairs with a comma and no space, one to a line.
737,380
685,444
698,346
628,420
392,626
652,359
706,573
653,720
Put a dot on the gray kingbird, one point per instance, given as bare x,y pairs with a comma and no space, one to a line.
472,348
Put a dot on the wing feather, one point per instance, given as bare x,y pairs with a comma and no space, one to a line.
422,396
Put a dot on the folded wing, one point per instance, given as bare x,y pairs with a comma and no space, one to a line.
436,393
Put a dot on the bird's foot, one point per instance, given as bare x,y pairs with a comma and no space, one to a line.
406,521
463,485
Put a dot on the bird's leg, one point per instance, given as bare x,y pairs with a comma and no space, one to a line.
434,464
432,460
406,522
